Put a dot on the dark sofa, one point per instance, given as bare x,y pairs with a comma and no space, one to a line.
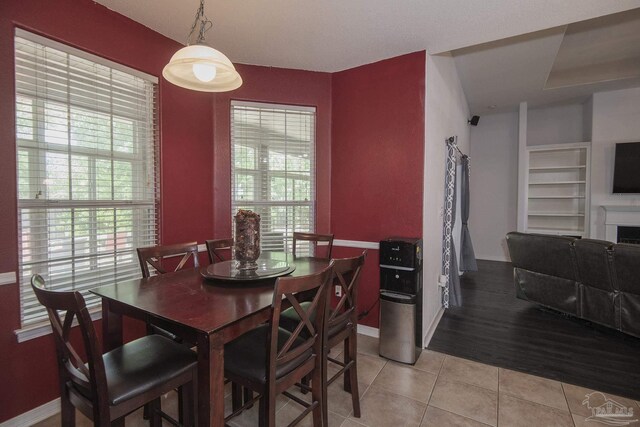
591,279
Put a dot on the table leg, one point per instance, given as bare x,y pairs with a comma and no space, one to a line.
210,381
111,328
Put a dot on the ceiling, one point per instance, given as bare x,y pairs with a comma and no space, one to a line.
333,35
559,65
506,51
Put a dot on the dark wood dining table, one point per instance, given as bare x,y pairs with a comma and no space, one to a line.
209,313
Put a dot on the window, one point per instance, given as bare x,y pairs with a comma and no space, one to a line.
273,169
86,165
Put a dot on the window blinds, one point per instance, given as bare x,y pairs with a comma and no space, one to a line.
273,169
86,159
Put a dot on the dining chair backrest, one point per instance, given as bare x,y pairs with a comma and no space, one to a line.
90,377
153,256
217,248
312,316
314,239
346,274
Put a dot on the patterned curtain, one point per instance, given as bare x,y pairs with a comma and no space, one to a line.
451,292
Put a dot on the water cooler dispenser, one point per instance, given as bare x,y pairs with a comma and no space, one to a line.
401,299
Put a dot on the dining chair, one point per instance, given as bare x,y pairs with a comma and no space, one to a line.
154,256
269,360
216,248
314,239
341,327
110,386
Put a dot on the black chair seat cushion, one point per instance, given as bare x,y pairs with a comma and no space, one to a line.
142,365
289,320
246,356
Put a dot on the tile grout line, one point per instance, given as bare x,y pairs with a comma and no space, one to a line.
498,402
566,399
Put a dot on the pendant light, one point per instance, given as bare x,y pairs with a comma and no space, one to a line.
199,66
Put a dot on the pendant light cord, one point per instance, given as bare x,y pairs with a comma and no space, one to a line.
203,21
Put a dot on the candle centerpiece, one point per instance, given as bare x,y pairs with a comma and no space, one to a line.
247,239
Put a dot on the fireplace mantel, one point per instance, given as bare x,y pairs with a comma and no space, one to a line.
615,216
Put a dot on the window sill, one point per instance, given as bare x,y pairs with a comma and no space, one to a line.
44,328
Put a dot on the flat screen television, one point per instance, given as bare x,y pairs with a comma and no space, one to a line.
626,172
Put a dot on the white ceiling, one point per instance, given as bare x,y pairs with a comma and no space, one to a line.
333,35
589,59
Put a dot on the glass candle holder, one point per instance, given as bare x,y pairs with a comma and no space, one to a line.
247,239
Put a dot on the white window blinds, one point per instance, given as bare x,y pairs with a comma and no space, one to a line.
273,169
86,159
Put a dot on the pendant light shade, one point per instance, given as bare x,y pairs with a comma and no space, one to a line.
202,68
199,66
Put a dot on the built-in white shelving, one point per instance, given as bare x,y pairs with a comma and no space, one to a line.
557,187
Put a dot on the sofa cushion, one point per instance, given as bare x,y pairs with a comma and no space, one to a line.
630,314
551,291
626,268
544,254
593,262
600,306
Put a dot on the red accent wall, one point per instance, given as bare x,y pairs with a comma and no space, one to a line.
276,86
28,372
377,158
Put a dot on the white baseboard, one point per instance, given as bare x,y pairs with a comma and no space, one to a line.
432,327
8,278
365,330
356,244
35,415
493,258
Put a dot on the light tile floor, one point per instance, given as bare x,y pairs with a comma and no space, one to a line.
439,390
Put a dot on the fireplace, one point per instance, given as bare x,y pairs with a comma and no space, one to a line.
622,223
629,234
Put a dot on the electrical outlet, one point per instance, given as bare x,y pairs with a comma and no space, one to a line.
338,291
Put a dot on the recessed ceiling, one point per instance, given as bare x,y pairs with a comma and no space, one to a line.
588,59
598,50
333,35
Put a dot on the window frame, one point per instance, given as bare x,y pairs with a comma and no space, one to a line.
143,160
262,176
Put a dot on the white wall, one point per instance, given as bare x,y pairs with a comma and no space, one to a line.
493,184
555,125
616,118
446,114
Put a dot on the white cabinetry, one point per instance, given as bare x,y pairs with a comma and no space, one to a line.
557,187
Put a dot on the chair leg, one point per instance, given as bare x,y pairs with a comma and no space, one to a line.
353,375
187,405
67,411
270,408
306,380
248,396
236,396
346,357
317,394
181,390
155,420
263,410
324,374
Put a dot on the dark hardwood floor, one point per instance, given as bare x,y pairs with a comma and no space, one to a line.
492,326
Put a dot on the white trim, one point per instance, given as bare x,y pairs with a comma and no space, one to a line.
432,327
273,106
493,258
44,328
369,331
35,415
85,55
356,244
202,248
8,278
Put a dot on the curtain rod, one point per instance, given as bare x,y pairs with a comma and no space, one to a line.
452,140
